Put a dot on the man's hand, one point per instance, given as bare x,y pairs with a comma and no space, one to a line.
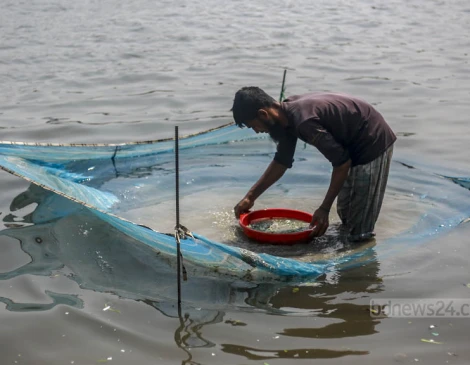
320,222
243,206
273,173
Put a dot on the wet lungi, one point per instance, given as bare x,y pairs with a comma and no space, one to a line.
361,196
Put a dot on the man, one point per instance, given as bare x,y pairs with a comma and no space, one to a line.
348,131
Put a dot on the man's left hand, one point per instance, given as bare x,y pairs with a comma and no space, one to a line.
320,222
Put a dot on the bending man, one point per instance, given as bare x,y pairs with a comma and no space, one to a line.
348,131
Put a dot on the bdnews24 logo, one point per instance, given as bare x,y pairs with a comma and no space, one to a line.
419,308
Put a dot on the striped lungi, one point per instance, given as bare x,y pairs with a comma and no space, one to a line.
361,196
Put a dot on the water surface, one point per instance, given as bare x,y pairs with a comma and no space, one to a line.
94,72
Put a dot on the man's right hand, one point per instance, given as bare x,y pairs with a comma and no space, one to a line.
273,173
243,206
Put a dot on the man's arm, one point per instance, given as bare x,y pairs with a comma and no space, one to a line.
273,173
320,220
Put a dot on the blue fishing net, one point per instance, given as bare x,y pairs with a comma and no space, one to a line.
131,187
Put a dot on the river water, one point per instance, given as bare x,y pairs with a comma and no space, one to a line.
108,72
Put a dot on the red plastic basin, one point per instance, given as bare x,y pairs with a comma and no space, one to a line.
277,238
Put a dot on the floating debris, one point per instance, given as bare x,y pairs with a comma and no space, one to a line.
278,225
295,290
432,326
111,309
431,341
235,322
311,284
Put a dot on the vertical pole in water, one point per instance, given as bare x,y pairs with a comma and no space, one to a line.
282,87
178,246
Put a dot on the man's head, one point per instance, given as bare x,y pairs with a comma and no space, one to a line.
255,109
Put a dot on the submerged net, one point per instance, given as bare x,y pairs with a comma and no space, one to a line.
131,187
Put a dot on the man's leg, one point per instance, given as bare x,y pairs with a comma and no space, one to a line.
361,197
343,202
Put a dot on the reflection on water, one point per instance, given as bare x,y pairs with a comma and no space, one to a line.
65,239
57,299
322,300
